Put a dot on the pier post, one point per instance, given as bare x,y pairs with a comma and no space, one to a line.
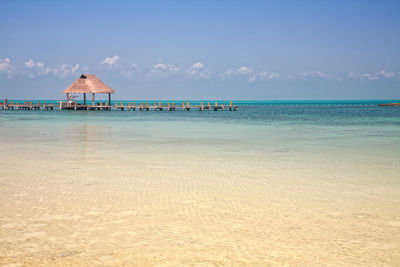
93,99
5,106
84,98
109,99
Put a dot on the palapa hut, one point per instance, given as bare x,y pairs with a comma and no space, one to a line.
86,84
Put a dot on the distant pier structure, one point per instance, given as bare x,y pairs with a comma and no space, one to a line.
87,84
90,84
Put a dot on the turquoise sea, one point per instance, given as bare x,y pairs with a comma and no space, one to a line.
291,182
336,126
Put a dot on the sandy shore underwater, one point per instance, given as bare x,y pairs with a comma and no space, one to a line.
105,192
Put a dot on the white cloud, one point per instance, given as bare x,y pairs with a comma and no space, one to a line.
313,75
241,71
31,64
133,70
161,70
268,76
228,73
196,66
386,74
111,60
5,64
316,74
264,76
198,70
379,75
195,71
250,74
370,76
63,70
169,68
33,69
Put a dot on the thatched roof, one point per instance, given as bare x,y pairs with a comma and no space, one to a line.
89,83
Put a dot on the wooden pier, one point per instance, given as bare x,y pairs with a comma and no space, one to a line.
122,106
390,105
132,106
90,84
27,105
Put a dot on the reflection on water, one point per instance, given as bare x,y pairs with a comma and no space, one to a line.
86,140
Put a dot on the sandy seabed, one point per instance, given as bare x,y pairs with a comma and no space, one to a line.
96,205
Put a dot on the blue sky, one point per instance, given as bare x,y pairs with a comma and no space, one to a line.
203,49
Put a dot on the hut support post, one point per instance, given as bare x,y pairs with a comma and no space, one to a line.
93,99
109,99
84,98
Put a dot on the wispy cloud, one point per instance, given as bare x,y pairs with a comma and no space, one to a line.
162,71
33,69
268,76
379,75
31,64
111,61
307,75
195,71
5,64
250,74
63,70
241,71
130,71
166,68
198,70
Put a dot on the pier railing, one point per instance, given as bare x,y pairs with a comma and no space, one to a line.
27,105
119,106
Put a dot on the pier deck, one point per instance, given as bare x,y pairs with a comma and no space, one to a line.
27,106
131,106
389,105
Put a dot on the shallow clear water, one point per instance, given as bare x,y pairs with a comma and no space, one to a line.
283,182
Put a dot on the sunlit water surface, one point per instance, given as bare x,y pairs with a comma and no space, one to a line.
273,183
